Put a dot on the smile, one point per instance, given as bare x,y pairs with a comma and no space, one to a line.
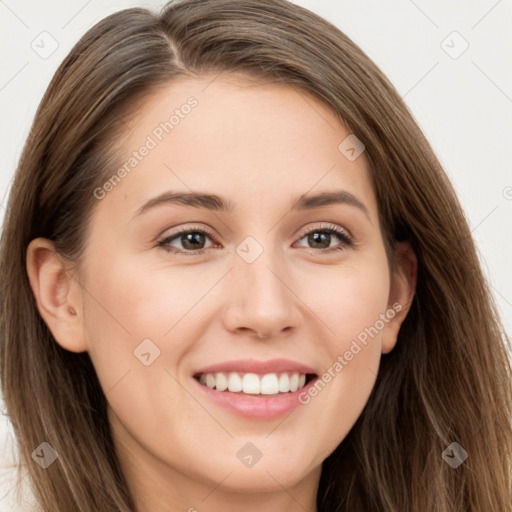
269,384
262,397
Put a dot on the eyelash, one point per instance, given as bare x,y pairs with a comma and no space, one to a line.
330,229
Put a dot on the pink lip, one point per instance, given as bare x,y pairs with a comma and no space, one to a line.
255,366
256,406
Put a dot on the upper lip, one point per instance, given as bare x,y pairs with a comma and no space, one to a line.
256,366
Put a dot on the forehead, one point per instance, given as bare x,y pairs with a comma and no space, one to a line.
256,143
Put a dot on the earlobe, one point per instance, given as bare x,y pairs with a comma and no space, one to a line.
57,294
401,294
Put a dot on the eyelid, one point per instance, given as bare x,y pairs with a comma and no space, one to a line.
188,229
326,227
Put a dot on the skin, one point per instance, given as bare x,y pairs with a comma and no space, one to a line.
260,146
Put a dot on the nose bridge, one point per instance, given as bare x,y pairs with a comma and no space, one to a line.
259,265
263,299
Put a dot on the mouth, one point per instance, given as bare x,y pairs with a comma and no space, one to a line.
264,385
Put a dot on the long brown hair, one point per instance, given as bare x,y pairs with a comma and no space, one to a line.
447,380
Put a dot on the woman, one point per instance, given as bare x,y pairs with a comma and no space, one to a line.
174,338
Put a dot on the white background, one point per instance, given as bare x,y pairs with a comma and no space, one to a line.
463,104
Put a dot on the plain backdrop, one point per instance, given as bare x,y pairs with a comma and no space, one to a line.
451,61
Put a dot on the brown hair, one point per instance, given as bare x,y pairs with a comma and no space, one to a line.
448,378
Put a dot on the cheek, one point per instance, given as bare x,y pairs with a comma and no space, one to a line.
349,301
138,313
137,301
136,322
351,305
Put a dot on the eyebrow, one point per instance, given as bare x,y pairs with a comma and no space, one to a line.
220,204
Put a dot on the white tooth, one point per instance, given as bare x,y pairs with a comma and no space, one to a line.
234,382
251,384
221,382
294,382
210,380
269,384
284,383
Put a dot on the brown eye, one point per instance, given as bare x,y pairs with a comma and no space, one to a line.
320,239
192,241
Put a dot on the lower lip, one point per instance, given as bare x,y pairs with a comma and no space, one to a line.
256,406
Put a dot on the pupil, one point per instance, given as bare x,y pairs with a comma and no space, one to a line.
318,237
191,238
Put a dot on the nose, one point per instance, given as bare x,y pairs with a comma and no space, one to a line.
261,298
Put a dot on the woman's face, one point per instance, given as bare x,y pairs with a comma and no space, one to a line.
273,173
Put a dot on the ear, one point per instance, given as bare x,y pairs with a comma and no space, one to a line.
401,293
57,294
